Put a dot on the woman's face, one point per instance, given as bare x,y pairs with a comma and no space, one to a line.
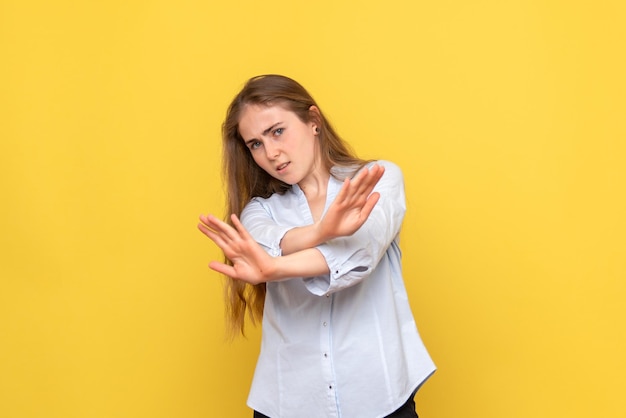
280,143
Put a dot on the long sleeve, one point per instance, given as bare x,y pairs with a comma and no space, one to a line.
258,218
352,259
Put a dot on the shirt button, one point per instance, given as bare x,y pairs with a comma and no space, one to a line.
327,295
326,355
324,324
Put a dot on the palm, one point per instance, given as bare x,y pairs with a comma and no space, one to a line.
250,262
353,204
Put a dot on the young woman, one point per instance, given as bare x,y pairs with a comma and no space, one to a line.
311,247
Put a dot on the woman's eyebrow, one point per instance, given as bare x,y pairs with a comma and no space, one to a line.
265,132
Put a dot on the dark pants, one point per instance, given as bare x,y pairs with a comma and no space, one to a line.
405,411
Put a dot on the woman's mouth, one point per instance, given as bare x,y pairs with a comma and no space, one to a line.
281,167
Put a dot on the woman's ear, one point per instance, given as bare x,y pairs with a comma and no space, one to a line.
316,119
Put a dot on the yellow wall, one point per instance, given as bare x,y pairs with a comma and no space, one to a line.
506,116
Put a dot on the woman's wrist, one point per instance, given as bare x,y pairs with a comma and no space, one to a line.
302,238
306,263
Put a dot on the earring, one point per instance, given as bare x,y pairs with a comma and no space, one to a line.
317,130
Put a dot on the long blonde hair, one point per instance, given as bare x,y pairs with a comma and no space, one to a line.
245,179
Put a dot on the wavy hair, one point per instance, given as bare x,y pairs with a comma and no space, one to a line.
245,179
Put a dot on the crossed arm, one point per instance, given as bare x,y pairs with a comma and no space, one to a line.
348,212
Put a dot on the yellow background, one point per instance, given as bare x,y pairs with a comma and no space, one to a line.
507,117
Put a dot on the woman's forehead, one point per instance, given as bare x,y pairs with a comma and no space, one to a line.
255,118
251,111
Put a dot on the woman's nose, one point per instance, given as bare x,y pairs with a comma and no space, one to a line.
271,150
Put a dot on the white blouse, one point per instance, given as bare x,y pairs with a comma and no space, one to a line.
344,344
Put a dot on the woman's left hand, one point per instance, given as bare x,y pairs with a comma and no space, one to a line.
250,262
352,205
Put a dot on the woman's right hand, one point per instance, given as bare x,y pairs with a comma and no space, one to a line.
251,263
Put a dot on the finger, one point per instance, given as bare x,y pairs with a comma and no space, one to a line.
371,180
352,191
211,222
344,191
362,177
377,171
204,219
214,236
214,222
225,269
368,175
364,172
243,232
360,186
221,239
369,205
204,228
374,174
227,231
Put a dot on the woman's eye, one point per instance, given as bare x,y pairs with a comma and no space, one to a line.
255,145
279,131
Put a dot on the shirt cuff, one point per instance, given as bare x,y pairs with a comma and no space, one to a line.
344,271
270,239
